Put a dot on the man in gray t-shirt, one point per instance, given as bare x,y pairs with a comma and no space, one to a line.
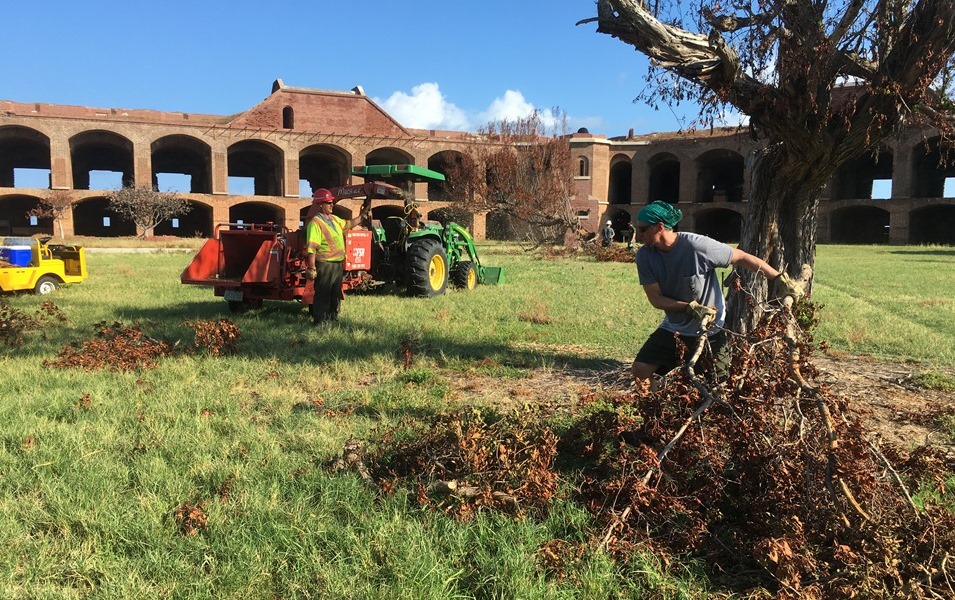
678,273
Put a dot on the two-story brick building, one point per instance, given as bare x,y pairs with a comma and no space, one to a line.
298,139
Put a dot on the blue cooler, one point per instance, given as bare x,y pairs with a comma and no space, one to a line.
19,256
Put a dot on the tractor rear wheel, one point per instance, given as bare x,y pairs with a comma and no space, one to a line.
464,275
427,269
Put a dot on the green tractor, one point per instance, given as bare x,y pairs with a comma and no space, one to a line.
422,257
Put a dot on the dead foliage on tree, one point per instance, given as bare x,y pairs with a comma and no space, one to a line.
15,323
774,485
524,171
823,83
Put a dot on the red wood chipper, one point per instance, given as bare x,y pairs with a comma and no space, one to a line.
248,263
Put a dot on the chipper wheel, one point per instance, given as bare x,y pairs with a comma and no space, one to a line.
464,275
427,273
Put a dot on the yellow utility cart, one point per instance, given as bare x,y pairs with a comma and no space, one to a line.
28,263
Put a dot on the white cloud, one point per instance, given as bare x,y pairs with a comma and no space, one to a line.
425,108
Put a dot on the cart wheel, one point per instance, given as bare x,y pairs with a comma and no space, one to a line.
46,285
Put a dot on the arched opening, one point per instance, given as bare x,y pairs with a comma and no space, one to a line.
14,219
619,220
664,178
24,158
720,176
195,223
451,164
255,169
101,160
583,167
288,118
322,166
859,225
932,225
94,217
181,164
621,175
452,214
868,177
720,224
259,213
501,226
388,156
930,171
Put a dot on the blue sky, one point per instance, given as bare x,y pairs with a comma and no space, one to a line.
431,64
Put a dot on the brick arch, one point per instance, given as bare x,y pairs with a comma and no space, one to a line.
720,176
389,156
14,219
664,180
855,179
183,155
929,170
324,166
195,223
100,150
22,148
260,161
933,224
256,212
89,215
448,163
859,225
723,224
621,177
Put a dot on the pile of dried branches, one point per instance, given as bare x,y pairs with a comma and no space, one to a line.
114,347
773,484
462,462
119,347
215,337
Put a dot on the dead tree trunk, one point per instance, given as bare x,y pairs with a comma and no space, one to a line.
780,225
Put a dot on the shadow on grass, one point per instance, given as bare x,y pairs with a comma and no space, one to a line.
926,252
284,331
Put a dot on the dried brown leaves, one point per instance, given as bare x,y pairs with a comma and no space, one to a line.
119,347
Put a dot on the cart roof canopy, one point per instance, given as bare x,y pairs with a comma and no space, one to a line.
397,172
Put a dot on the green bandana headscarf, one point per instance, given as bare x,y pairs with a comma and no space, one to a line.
660,212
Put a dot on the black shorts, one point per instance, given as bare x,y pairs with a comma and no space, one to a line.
660,349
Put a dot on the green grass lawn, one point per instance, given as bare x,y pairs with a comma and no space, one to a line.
93,466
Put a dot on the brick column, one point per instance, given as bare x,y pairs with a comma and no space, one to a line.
902,171
688,177
291,179
899,225
220,169
479,227
61,169
142,166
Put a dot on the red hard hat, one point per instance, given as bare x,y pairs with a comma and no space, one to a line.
321,196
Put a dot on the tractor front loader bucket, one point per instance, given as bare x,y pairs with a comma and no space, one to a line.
491,275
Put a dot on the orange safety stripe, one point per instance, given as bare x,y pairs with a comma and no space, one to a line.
335,252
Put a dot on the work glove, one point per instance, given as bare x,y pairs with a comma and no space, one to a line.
311,273
700,311
785,286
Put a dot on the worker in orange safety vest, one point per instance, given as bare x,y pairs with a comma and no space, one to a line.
325,255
